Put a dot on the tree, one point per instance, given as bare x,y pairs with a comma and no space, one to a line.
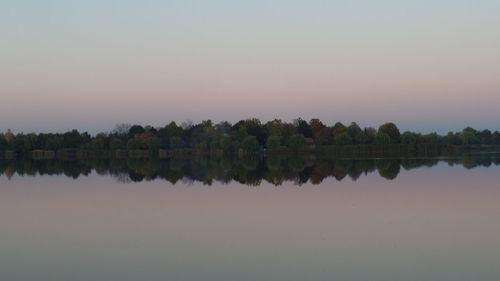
303,128
287,131
115,143
240,134
225,144
53,142
215,145
392,130
297,143
484,136
9,136
382,139
353,130
468,136
250,144
174,130
370,133
274,127
102,141
72,139
144,139
29,142
134,130
224,127
343,139
338,129
176,143
121,129
495,138
431,138
253,127
361,138
202,146
3,142
316,126
454,139
96,144
273,142
408,138
154,145
324,137
133,144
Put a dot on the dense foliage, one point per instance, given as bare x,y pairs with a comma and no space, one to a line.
251,170
248,135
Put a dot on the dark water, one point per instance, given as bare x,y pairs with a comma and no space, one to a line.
251,219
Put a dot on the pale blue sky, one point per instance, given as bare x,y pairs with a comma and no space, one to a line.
426,65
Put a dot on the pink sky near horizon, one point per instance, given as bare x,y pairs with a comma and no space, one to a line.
426,68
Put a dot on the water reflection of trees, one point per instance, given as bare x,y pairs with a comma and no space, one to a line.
246,170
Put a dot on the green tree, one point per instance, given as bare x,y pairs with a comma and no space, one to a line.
225,144
274,127
133,144
96,144
454,139
202,146
303,128
29,142
408,138
495,138
468,136
353,130
338,129
382,139
3,142
273,142
115,143
431,138
343,139
484,136
288,130
174,130
215,145
324,137
297,143
154,145
73,139
392,131
253,127
362,138
250,144
135,129
370,133
53,142
176,143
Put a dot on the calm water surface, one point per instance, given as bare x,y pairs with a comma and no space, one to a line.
428,223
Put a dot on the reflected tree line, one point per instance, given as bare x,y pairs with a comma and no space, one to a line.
246,170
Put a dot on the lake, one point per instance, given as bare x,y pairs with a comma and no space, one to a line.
251,219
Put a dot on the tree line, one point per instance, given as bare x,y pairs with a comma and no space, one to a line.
250,135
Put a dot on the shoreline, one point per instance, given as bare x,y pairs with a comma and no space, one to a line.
333,151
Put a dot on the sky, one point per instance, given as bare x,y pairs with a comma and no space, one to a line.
429,65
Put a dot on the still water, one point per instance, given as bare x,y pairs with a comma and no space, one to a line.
426,219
